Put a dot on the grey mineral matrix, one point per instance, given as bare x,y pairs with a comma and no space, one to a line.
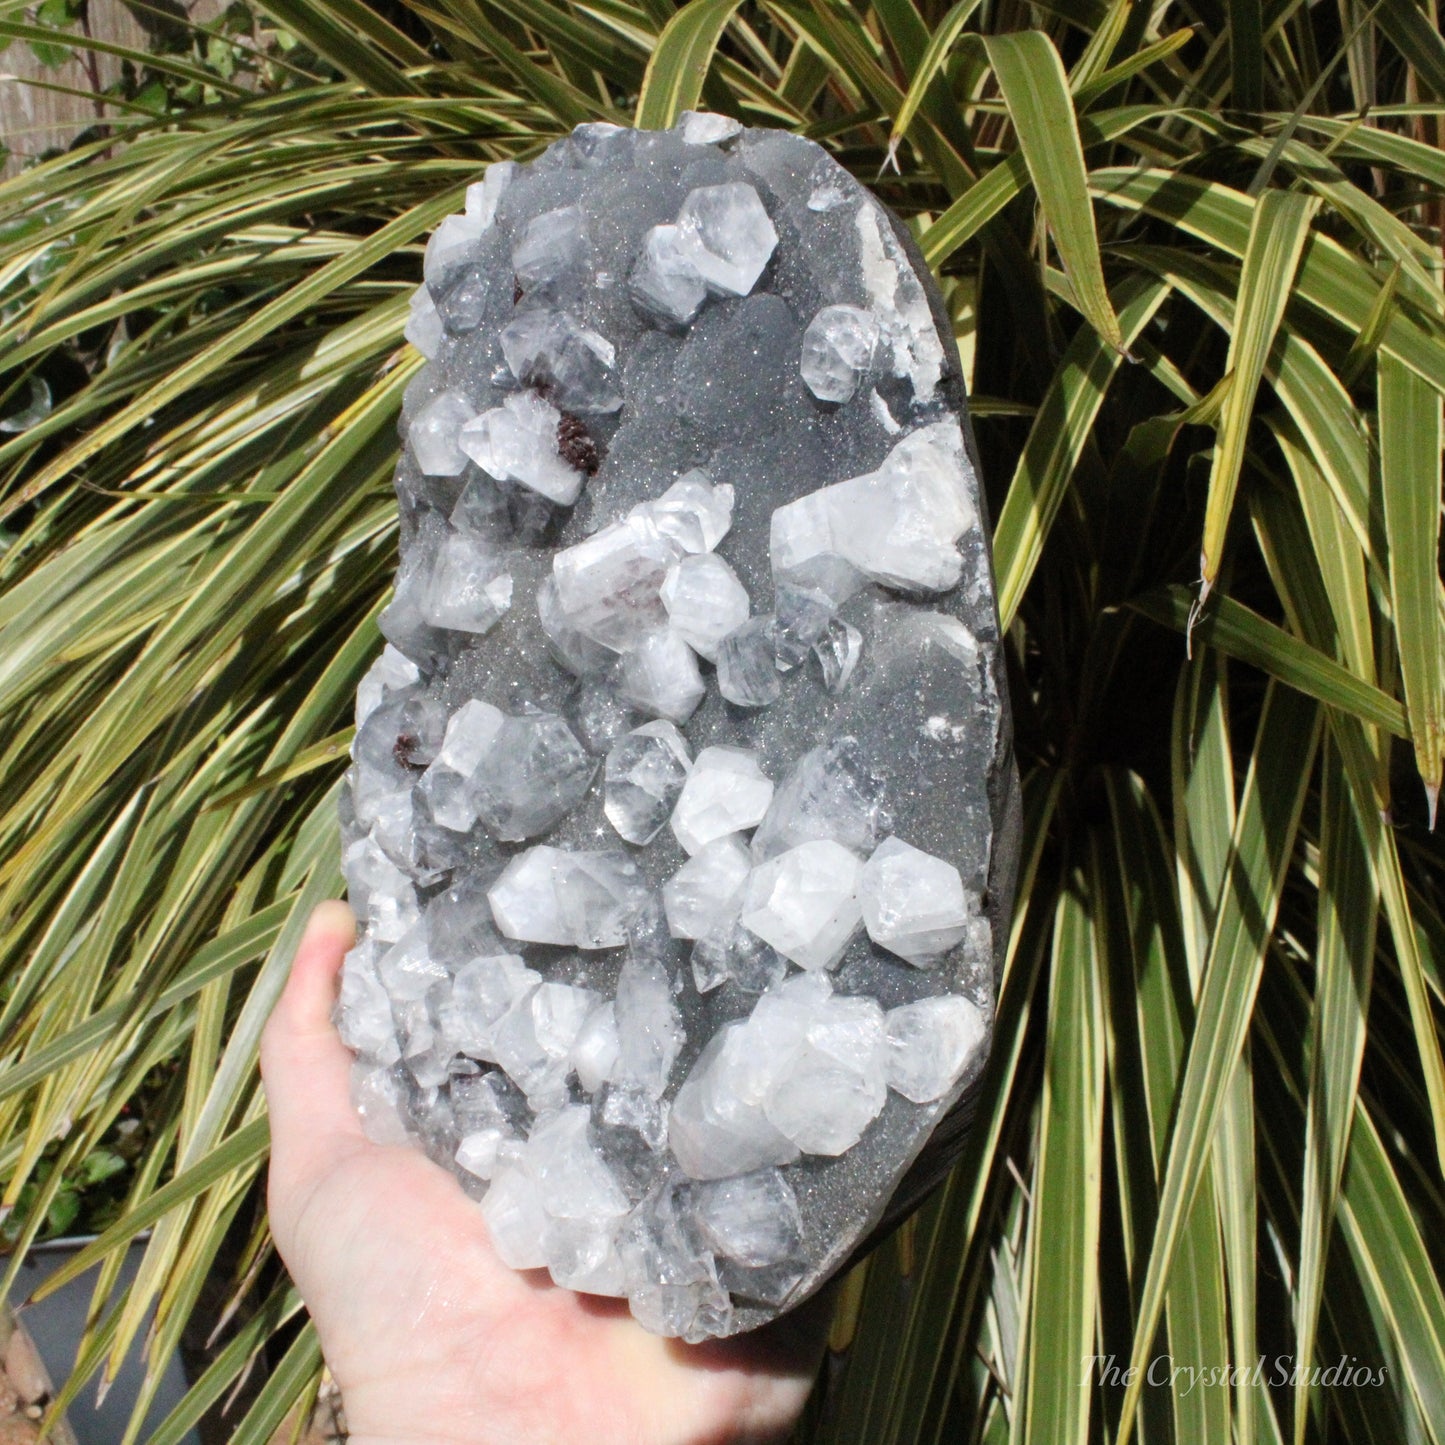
682,818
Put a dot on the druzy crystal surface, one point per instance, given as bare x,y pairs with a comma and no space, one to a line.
681,819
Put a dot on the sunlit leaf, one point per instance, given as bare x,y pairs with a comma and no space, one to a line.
1277,235
678,67
1036,90
1410,478
1259,856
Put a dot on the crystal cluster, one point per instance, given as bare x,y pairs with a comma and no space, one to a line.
680,823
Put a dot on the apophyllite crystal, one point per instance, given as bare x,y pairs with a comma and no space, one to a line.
682,821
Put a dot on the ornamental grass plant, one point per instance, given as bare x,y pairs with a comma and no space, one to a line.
1193,257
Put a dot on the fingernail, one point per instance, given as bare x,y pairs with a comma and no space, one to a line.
332,917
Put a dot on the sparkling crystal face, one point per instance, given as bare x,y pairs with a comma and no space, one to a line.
681,821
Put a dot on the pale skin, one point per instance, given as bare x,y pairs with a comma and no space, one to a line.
429,1336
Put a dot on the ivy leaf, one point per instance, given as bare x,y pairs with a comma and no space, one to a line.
52,57
153,98
63,1211
58,14
99,1165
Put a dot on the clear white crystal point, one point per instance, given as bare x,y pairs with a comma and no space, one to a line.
726,792
609,586
594,1051
805,902
551,247
581,900
704,601
573,1180
898,526
364,1007
452,245
483,196
433,434
572,648
703,897
747,664
715,1129
666,283
532,776
644,774
734,236
517,442
693,512
914,904
516,1221
466,588
932,1044
582,1255
381,895
534,1038
550,350
478,1152
424,327
376,1095
649,1027
830,793
837,353
753,1218
826,1075
897,298
704,127
472,732
483,991
389,674
659,675
838,651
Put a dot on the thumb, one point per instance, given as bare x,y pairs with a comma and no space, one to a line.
304,1065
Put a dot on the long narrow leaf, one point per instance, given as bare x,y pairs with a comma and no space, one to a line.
1234,629
1410,477
679,64
1263,842
1064,1224
1057,439
1276,240
1036,90
940,45
1348,903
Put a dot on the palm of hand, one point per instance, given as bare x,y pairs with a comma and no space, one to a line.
429,1335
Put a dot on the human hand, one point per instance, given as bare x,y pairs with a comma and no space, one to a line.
430,1337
